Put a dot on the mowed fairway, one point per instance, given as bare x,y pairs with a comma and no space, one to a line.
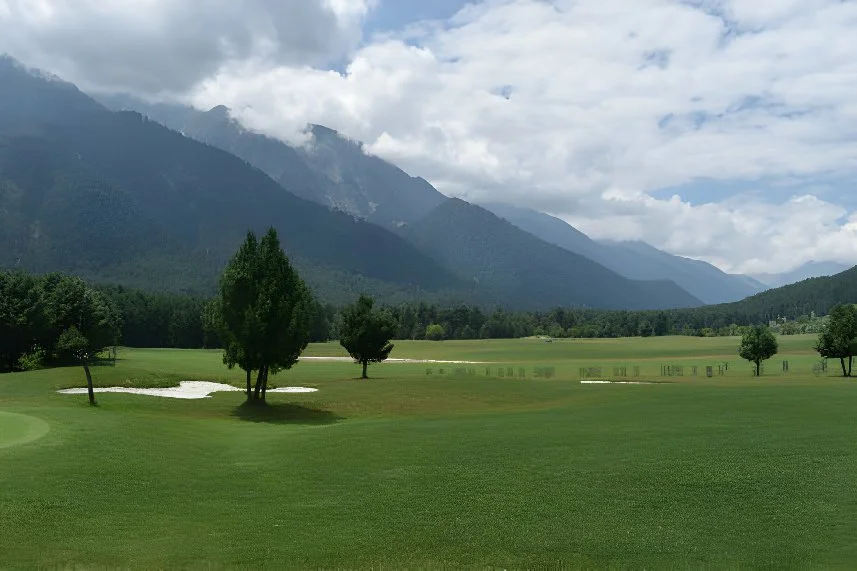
408,469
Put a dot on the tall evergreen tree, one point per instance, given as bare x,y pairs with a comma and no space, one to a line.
264,311
366,332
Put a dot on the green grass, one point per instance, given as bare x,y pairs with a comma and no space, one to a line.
410,470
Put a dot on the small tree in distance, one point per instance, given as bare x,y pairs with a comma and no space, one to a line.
72,343
87,320
366,333
758,344
435,332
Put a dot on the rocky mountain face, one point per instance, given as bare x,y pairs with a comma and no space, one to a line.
329,169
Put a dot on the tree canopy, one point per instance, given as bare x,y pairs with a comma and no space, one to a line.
366,332
435,332
89,323
838,340
758,344
264,311
36,310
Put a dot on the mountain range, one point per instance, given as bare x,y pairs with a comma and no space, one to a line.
117,197
337,172
160,195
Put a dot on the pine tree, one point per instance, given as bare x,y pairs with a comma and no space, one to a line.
264,312
366,332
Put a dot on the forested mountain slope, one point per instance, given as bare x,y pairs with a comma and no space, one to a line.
510,264
817,295
114,196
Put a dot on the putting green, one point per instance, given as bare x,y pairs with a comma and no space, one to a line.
18,429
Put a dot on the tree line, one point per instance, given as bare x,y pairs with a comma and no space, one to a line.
54,319
147,319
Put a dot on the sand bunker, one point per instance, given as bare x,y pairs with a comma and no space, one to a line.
350,360
186,390
617,383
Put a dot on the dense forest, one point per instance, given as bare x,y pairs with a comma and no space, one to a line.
34,310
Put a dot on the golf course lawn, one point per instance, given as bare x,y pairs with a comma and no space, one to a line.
409,469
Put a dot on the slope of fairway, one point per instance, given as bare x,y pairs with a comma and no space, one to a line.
428,471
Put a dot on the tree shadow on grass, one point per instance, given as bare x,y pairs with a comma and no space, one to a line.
284,413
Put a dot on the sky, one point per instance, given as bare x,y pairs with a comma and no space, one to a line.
724,130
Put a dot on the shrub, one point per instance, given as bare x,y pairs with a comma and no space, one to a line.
435,332
32,361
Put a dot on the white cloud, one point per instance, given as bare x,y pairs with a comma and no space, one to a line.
557,104
158,47
767,237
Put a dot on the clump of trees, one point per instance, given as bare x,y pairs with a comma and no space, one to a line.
758,344
838,339
262,313
366,332
53,319
435,332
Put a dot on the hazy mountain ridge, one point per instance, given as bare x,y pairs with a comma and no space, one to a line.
513,264
633,260
811,269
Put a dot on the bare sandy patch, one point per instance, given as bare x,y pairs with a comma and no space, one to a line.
188,390
601,382
350,360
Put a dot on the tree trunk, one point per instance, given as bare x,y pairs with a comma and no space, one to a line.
249,385
265,385
89,386
844,370
259,378
850,362
365,364
758,368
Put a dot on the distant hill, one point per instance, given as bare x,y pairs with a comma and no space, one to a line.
116,197
331,170
817,295
517,268
808,270
634,260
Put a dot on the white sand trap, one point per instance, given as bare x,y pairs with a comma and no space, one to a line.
185,390
616,383
350,360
